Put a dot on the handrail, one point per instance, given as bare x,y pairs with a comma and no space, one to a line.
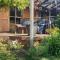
21,35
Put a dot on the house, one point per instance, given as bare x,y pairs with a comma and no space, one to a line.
7,16
12,15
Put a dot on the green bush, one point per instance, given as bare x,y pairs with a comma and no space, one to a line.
15,45
7,56
9,49
37,51
32,54
53,42
5,53
49,46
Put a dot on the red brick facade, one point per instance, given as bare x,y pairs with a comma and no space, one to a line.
4,19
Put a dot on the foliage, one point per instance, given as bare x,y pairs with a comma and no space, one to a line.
57,21
49,46
5,53
32,54
53,31
15,44
37,51
7,56
54,42
16,49
20,4
5,49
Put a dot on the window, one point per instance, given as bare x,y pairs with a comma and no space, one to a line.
17,23
13,17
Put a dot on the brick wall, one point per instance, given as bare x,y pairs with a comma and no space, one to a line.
4,19
26,13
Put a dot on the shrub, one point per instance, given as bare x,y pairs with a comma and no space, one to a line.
31,54
39,50
8,51
49,46
15,45
54,42
53,31
5,53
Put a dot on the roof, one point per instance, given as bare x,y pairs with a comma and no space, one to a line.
49,4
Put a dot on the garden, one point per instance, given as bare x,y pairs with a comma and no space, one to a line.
47,49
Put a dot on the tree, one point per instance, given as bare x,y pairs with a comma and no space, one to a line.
20,4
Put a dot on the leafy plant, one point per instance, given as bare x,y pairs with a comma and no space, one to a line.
9,50
36,52
53,31
54,42
15,45
49,46
57,21
5,53
20,4
31,54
